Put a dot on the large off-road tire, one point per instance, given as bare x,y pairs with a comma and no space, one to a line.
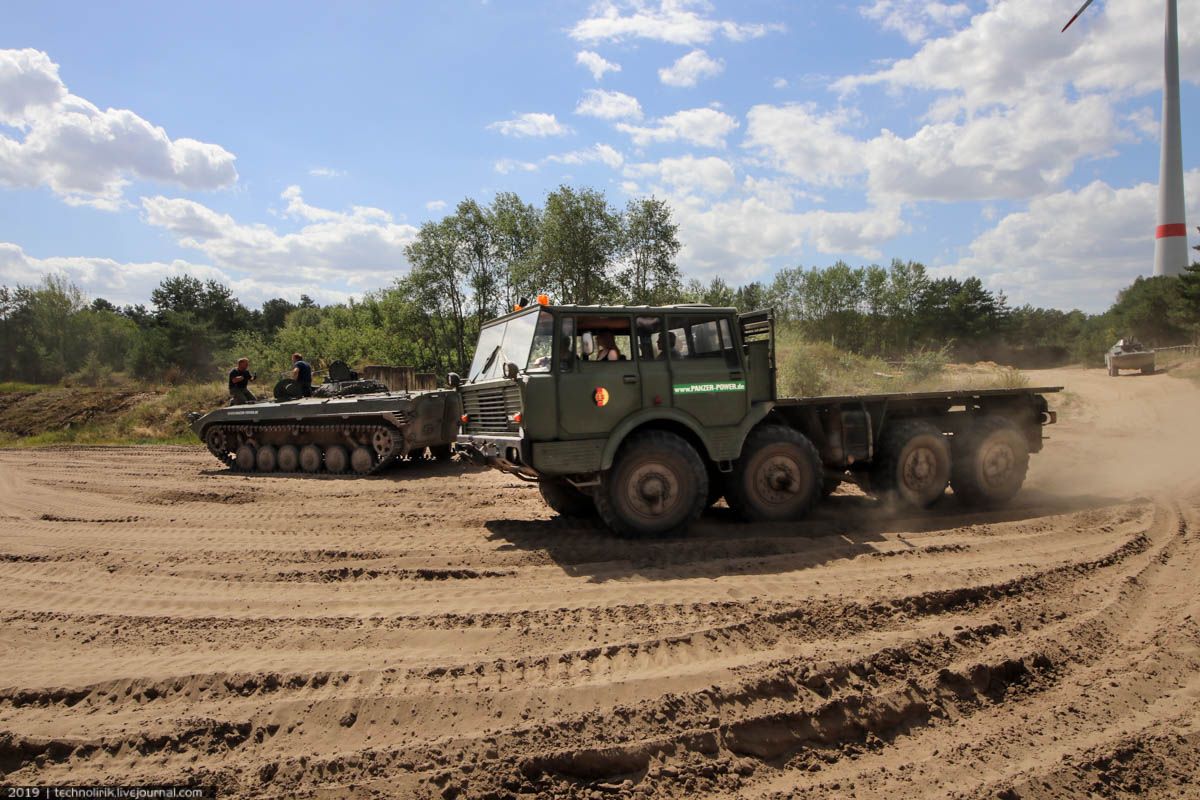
288,458
311,458
778,477
565,498
441,452
361,460
991,458
267,458
657,486
913,464
245,458
336,459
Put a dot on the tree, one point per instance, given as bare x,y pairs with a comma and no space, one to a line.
474,232
274,314
581,236
516,230
651,243
439,280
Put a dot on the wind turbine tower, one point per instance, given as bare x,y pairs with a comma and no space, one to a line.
1170,237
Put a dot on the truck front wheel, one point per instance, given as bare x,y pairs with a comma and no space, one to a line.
658,485
565,498
913,465
778,477
990,461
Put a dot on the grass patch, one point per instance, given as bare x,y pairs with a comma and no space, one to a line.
13,387
812,369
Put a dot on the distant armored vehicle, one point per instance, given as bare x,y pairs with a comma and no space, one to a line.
332,431
1129,354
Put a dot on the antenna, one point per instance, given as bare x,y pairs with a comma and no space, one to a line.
1170,237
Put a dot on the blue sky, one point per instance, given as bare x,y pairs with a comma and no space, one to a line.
286,148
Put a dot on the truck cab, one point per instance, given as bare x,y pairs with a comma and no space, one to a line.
645,415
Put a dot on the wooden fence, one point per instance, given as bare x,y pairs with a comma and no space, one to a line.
401,379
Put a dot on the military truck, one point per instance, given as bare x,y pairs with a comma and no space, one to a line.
646,415
337,430
1129,354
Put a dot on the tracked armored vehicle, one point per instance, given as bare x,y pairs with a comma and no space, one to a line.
360,433
1129,354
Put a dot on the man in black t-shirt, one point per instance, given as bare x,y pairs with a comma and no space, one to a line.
239,384
302,374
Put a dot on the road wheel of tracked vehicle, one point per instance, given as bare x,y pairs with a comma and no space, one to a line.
310,458
913,464
361,460
289,458
440,452
990,461
245,458
565,498
657,486
778,476
336,459
267,458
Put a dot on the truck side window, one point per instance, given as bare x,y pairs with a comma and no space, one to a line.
603,339
650,338
696,338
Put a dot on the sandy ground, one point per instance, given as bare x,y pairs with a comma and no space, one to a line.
436,632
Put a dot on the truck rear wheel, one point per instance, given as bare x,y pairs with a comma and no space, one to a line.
565,498
913,465
990,461
657,486
778,477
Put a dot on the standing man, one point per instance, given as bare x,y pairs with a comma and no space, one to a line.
302,374
239,384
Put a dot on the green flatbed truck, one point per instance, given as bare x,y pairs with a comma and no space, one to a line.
647,415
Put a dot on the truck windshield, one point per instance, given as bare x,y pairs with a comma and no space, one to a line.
512,340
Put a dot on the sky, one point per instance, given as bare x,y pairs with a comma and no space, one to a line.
288,148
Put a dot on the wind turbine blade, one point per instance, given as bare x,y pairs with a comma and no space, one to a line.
1077,13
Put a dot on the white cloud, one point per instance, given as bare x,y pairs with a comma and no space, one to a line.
536,124
84,154
130,283
602,153
435,205
780,83
327,172
506,165
913,19
1073,249
801,141
362,248
690,69
604,104
1009,152
688,174
671,21
705,127
596,63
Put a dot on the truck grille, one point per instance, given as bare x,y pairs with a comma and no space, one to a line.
490,410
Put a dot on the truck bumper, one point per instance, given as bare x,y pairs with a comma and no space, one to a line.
506,453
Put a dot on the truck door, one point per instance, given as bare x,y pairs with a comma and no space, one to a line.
600,386
654,370
707,377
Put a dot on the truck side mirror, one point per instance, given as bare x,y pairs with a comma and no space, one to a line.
588,342
454,380
511,370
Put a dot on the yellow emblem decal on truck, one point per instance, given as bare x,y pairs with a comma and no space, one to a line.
601,396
